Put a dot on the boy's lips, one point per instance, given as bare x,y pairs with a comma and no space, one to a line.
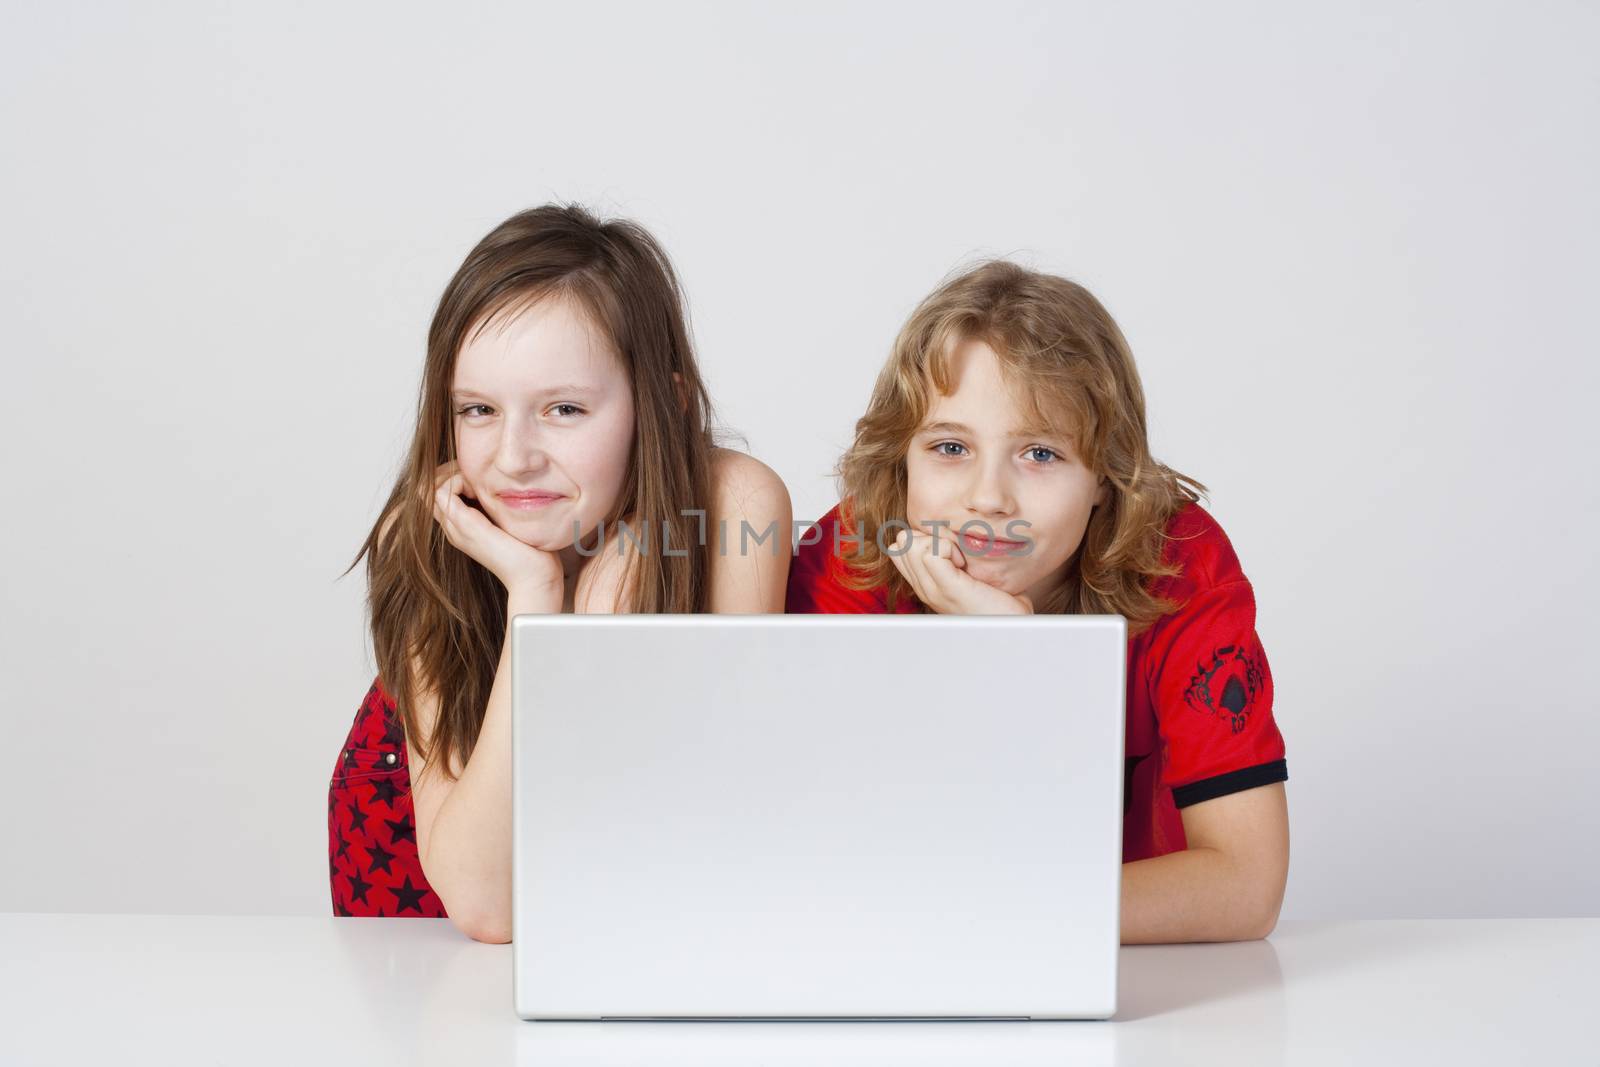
989,547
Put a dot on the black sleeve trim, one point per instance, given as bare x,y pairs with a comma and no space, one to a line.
1232,782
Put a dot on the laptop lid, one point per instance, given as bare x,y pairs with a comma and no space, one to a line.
810,816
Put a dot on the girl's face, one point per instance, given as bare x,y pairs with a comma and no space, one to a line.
976,458
541,403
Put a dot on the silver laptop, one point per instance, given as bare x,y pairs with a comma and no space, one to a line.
816,816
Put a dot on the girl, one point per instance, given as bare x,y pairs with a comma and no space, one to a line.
1002,467
560,400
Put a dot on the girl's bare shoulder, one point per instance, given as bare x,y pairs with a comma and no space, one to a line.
742,485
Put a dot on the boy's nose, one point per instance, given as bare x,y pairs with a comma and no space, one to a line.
990,496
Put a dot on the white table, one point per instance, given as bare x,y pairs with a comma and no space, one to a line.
242,990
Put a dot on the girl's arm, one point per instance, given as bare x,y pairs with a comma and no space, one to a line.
1227,886
464,826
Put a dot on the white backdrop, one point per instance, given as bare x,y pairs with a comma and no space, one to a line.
1354,250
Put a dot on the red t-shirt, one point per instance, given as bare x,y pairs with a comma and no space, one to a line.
373,863
1199,706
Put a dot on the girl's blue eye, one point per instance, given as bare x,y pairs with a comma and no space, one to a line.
464,410
568,407
939,448
1046,451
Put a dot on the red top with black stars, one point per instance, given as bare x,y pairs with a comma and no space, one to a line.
1199,703
372,835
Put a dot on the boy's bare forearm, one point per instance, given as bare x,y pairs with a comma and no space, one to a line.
1194,895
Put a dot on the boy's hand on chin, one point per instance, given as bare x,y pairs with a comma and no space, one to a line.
938,576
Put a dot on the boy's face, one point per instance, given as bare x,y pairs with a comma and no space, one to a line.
541,401
976,458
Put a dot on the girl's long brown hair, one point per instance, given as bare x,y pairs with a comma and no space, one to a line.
1068,361
430,604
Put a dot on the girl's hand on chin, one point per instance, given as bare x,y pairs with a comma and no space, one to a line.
939,578
518,566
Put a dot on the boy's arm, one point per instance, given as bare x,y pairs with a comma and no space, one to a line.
1227,886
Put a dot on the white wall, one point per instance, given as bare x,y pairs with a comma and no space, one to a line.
1353,248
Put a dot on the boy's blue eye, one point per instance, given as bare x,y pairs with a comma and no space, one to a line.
1048,452
939,448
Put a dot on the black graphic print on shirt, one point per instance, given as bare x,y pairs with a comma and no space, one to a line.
1228,684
